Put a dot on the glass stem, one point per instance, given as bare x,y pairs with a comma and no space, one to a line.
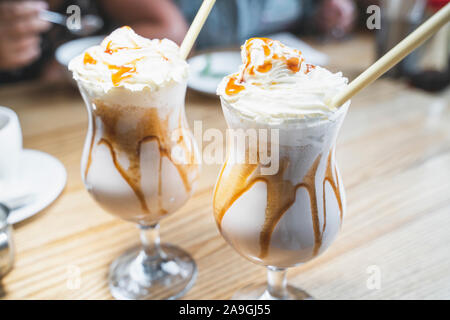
150,239
277,282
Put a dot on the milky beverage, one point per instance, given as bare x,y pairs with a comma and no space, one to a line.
140,160
293,215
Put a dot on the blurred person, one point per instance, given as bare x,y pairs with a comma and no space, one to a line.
27,43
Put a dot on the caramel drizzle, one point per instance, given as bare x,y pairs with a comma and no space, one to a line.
238,180
123,72
132,175
266,67
309,68
162,153
129,141
281,195
88,59
232,87
294,64
184,174
309,184
110,50
341,207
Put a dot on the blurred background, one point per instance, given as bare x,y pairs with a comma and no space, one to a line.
31,31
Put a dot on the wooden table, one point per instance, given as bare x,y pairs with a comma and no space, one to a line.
394,154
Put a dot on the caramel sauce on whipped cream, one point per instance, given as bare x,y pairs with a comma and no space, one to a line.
279,76
125,59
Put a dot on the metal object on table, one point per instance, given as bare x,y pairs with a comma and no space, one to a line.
6,242
398,19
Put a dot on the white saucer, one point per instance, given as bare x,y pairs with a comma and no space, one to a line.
44,176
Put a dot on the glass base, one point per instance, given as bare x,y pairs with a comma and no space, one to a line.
166,274
260,292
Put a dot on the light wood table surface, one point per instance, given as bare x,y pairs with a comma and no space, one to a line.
394,155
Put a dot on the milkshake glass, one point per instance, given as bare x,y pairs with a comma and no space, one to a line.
140,161
287,217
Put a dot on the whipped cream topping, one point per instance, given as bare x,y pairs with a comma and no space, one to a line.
275,84
125,59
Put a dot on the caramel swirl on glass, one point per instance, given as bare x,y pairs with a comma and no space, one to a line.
290,216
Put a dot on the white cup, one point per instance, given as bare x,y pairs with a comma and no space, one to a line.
10,147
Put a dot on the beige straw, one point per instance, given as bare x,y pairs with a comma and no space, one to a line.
394,56
196,27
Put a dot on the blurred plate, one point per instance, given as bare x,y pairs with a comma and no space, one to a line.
71,49
209,68
44,177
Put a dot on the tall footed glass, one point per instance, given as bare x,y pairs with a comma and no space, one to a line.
140,163
279,200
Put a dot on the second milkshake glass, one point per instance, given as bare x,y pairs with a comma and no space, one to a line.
140,162
283,219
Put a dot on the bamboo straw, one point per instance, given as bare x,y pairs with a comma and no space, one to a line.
196,27
394,56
